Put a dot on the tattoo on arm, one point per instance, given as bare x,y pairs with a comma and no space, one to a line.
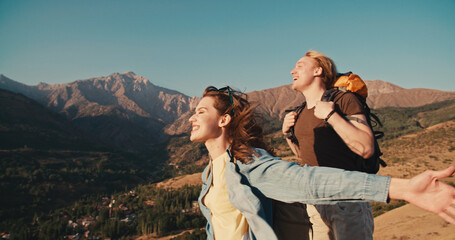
351,118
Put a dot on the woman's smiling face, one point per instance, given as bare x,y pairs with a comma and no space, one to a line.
205,121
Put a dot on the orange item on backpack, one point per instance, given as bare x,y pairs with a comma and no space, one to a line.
352,82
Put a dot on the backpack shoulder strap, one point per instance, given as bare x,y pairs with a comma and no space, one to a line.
329,94
298,110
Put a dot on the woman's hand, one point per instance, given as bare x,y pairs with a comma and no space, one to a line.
427,192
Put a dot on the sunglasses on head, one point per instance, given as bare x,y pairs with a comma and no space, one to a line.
223,89
229,92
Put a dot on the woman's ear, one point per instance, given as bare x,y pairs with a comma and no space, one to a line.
224,120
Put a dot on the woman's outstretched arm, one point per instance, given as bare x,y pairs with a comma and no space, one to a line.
288,182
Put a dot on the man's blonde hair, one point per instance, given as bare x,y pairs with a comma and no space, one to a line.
329,70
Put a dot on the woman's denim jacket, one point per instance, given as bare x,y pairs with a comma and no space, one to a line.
253,185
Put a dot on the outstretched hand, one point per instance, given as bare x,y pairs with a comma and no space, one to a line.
427,192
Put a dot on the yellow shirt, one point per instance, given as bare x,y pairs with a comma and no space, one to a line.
227,221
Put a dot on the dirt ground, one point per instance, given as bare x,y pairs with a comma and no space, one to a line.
410,222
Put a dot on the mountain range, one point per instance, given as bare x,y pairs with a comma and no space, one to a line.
124,109
117,108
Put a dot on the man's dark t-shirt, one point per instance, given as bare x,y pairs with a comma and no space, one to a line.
319,144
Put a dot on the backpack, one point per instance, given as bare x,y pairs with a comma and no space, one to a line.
349,82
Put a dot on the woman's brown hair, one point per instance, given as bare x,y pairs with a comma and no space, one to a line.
244,130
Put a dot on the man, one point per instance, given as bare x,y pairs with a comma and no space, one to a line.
326,138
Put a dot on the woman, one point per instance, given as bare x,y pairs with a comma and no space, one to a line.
242,178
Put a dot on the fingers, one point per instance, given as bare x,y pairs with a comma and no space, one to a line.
444,173
451,210
290,118
322,109
289,121
449,213
291,115
447,217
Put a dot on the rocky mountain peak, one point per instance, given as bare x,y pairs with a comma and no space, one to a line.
42,85
126,78
377,87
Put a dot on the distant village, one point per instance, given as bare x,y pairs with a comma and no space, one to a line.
81,226
109,203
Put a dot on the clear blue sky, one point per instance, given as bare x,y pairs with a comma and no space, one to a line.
252,45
